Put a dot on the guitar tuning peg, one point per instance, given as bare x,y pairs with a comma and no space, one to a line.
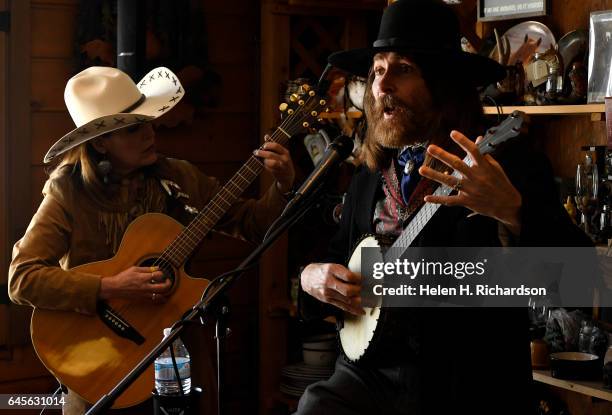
306,87
290,111
294,97
283,107
314,113
305,124
320,119
311,93
301,102
322,102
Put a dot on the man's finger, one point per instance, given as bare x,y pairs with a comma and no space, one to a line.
449,159
443,200
444,179
346,289
466,144
345,274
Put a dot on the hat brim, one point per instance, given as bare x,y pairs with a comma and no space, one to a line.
162,91
476,69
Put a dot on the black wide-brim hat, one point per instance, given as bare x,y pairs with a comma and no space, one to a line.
426,30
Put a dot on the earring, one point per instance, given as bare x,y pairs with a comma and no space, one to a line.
104,167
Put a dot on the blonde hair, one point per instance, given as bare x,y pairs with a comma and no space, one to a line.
79,161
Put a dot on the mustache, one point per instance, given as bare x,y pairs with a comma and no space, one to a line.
391,102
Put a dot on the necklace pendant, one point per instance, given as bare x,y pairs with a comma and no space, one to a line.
408,167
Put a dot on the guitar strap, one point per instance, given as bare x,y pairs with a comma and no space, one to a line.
174,191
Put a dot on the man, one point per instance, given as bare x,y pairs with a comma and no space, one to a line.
421,106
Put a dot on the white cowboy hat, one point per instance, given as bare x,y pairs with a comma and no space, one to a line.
103,99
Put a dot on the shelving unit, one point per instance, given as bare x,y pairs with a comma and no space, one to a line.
550,109
589,388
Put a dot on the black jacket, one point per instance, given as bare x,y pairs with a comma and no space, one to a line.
468,356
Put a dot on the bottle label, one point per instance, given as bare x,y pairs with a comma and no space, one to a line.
164,369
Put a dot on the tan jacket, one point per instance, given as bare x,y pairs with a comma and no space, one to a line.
66,232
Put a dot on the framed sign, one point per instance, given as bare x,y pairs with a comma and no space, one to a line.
510,9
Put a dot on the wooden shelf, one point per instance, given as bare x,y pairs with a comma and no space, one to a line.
550,109
589,388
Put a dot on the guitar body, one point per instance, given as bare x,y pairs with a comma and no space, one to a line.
84,353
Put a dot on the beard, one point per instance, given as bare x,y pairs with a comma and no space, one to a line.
407,126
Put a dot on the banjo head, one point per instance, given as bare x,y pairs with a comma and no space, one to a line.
358,331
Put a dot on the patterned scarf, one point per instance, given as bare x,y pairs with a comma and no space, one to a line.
402,198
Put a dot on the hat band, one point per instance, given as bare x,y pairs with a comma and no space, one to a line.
399,42
135,104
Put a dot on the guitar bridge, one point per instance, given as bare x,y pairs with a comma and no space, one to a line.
117,324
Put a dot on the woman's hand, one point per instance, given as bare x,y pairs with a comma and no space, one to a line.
276,160
333,284
483,187
136,282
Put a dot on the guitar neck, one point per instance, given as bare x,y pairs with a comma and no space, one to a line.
422,218
183,246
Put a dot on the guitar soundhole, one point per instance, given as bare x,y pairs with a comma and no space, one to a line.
166,268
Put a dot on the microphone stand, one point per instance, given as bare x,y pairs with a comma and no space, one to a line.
208,304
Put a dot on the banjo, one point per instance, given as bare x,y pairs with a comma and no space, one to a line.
360,335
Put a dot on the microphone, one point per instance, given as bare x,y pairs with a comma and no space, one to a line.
336,152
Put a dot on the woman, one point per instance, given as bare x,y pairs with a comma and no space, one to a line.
108,175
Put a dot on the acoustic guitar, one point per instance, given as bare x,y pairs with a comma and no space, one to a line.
91,354
362,336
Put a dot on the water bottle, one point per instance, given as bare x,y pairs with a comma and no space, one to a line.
165,377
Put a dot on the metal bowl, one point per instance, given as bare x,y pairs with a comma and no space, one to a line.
575,365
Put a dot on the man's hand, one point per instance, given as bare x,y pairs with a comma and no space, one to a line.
333,284
483,187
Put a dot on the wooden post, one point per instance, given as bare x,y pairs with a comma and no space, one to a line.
273,284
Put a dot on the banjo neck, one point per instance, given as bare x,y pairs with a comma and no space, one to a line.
509,128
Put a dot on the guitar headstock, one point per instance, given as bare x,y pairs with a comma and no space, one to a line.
302,110
511,127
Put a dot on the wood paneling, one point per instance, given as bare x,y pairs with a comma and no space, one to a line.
238,7
23,365
4,145
47,128
214,138
53,31
55,2
239,88
574,14
48,81
275,49
562,137
232,39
